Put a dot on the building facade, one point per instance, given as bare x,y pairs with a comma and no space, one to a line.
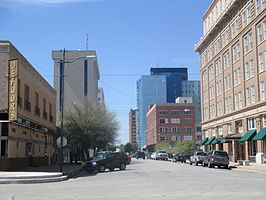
27,112
233,76
174,78
101,98
81,77
170,122
133,126
150,90
192,89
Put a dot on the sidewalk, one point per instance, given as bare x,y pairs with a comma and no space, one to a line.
253,167
43,174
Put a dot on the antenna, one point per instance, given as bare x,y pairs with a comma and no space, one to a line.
87,38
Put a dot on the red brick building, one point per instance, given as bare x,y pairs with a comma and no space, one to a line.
170,122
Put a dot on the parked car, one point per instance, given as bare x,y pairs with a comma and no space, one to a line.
109,160
216,158
179,157
140,154
197,157
161,155
153,155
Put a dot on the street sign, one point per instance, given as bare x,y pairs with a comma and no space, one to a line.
58,141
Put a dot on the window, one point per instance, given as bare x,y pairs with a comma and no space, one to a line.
227,82
187,129
237,77
246,16
187,112
175,138
249,69
212,111
229,128
219,108
175,121
226,59
163,138
262,90
260,33
163,129
163,112
211,73
262,61
219,88
212,92
264,120
163,121
214,132
204,78
248,43
175,112
220,130
236,52
187,137
260,5
187,120
175,130
218,67
252,94
228,105
251,123
240,127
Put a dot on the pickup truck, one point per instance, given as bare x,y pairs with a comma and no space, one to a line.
197,157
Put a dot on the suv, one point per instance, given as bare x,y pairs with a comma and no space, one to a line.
161,155
197,157
140,154
216,158
109,160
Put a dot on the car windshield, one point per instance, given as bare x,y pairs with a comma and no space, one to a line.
161,151
100,156
220,153
201,154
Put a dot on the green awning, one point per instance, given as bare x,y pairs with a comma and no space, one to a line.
210,140
203,141
261,135
215,141
248,136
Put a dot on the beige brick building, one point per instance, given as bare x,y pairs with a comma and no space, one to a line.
233,77
27,112
133,127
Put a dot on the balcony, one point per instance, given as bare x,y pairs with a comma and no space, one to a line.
44,114
37,111
27,105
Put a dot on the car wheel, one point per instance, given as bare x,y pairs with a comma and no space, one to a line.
226,167
122,166
101,168
209,165
111,169
190,162
196,163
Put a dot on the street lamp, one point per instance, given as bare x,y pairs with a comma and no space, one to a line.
61,96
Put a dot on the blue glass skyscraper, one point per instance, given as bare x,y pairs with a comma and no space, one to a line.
150,90
174,77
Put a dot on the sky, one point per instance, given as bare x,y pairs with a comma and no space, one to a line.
129,37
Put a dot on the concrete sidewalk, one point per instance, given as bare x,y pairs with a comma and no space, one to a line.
252,167
43,174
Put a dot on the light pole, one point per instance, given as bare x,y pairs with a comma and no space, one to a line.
61,97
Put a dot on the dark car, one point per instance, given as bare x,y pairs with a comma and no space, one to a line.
179,157
110,160
140,154
216,158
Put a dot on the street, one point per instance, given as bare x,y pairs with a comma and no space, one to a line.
146,180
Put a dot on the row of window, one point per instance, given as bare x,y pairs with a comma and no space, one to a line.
175,138
233,28
238,103
175,130
251,124
176,121
175,112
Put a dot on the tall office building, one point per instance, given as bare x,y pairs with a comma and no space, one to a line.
233,76
101,101
133,127
150,90
192,89
81,77
174,77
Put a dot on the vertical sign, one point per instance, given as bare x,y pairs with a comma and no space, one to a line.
13,90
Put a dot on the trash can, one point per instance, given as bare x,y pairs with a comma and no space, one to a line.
259,158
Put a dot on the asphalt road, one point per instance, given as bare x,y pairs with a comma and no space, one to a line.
147,180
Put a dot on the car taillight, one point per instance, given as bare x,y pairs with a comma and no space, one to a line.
212,157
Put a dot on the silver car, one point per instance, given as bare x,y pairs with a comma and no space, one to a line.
161,155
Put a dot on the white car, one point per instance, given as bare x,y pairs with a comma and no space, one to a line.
153,155
161,155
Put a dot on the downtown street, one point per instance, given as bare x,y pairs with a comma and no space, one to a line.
146,180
